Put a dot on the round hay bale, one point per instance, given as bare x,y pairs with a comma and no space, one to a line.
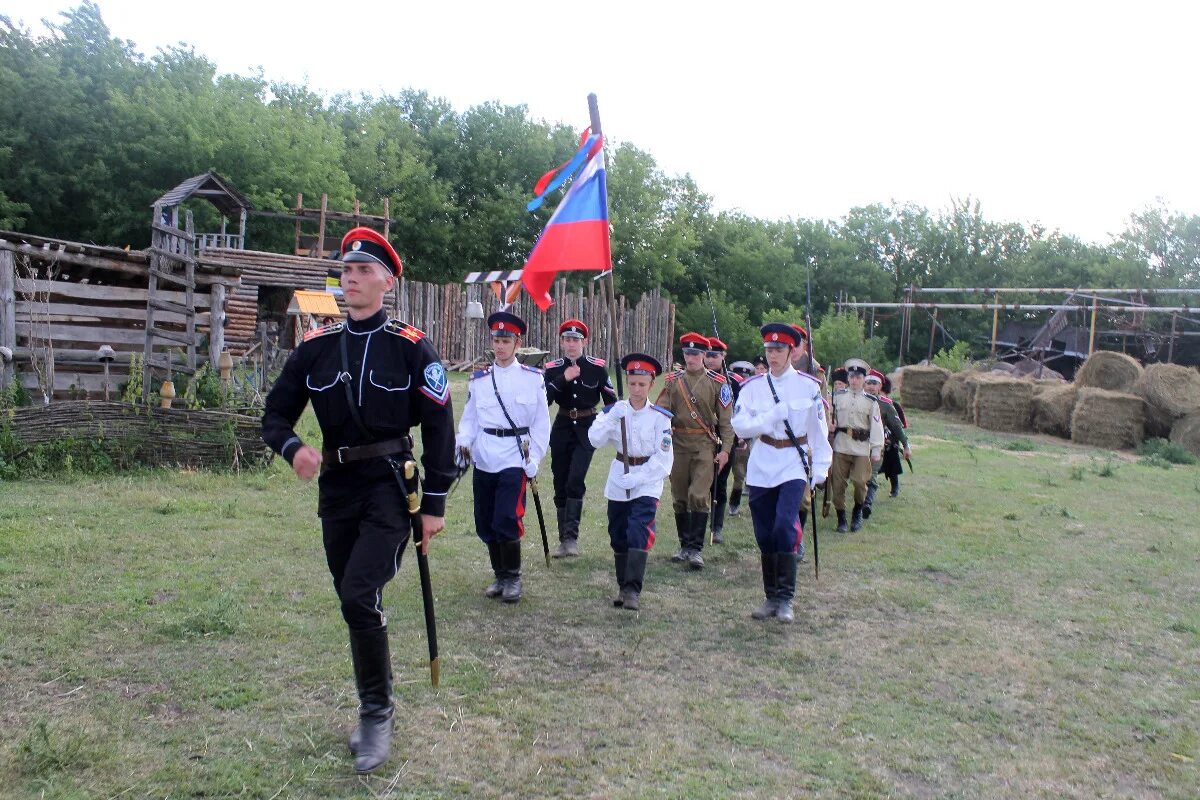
1157,423
954,392
1107,419
1003,404
923,387
1052,404
1104,369
1172,390
1186,432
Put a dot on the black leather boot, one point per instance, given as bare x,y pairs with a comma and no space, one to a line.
842,527
869,503
560,513
785,586
372,742
769,606
895,481
620,560
856,517
699,529
496,588
510,586
718,522
735,502
683,523
572,514
635,572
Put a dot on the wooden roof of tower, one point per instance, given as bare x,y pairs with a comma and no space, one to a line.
211,187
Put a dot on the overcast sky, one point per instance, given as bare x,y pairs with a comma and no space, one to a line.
1071,114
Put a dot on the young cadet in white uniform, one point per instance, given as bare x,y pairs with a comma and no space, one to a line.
504,431
633,491
779,410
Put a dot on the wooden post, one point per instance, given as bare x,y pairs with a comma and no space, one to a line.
1171,344
321,233
156,242
189,294
995,321
387,217
1092,336
932,331
242,231
8,314
299,208
216,323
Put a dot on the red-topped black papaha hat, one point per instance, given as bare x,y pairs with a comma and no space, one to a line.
364,244
641,364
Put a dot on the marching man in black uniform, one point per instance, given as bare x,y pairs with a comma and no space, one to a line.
370,379
504,431
577,382
784,412
636,475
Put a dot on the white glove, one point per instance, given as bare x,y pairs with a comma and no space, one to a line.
779,412
531,470
626,480
463,442
621,409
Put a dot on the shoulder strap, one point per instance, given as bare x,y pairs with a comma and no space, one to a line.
688,401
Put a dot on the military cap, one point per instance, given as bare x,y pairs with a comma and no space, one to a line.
573,329
743,368
366,245
503,323
875,376
641,364
800,330
693,341
839,375
716,345
759,361
779,334
856,366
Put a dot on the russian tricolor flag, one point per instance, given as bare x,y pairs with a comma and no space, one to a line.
576,238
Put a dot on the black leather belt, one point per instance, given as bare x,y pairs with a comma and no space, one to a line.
346,455
577,413
506,431
633,461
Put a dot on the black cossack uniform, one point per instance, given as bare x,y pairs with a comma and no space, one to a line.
394,377
570,450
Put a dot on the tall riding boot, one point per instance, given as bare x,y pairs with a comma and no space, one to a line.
699,529
870,501
718,522
511,584
842,527
735,502
683,524
635,572
497,586
856,518
573,513
560,512
620,560
895,481
769,606
372,742
785,586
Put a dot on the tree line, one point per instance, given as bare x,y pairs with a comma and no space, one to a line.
92,131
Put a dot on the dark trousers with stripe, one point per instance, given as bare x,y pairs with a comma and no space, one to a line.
631,523
775,511
365,533
499,505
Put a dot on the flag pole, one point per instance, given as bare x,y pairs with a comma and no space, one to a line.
613,348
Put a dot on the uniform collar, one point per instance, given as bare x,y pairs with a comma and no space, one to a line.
516,364
368,325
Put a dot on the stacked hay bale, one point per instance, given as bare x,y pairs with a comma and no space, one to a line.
1104,369
1051,407
970,388
1003,404
1186,432
1170,391
954,392
923,387
1107,419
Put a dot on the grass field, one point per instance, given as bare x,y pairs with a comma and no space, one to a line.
1023,621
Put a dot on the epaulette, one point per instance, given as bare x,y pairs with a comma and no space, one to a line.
812,378
558,362
608,408
738,379
404,330
599,362
528,368
873,397
479,373
324,331
884,400
751,379
662,410
716,376
673,375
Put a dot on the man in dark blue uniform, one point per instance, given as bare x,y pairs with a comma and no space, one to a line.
577,382
369,379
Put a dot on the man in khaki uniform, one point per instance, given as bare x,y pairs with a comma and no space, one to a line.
702,403
857,443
